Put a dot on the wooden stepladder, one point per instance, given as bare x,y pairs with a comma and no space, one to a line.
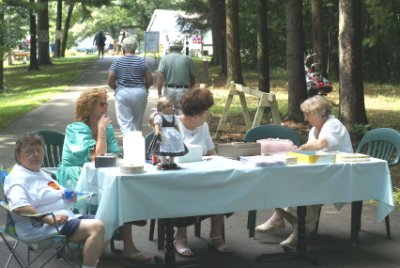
267,103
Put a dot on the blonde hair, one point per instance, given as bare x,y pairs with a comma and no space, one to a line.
162,103
86,103
317,105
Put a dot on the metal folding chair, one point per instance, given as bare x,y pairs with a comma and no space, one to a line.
53,145
28,253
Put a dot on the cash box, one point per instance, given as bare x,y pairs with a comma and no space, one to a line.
236,149
106,160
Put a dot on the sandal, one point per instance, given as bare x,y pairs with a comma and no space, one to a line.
220,247
183,251
138,257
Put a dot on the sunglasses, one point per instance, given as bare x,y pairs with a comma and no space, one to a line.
103,103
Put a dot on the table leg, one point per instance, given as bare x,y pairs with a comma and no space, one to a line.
301,214
169,244
356,209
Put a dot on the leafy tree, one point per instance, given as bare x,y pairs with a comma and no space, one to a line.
351,95
11,16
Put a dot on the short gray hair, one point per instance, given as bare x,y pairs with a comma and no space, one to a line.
129,44
317,105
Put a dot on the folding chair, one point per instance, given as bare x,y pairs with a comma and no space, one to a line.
37,252
382,143
53,143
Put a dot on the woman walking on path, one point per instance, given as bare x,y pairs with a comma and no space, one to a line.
130,77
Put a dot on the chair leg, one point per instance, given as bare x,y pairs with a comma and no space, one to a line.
151,231
315,231
112,246
387,222
160,234
251,222
223,231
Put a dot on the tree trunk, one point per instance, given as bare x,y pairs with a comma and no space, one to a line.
218,25
33,62
234,68
262,46
66,28
43,36
57,52
351,89
2,45
319,35
297,91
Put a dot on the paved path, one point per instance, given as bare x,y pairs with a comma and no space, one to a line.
331,246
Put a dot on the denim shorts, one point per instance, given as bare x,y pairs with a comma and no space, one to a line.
71,226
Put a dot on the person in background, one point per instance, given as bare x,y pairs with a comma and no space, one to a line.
327,134
130,77
176,74
100,42
29,190
89,136
194,128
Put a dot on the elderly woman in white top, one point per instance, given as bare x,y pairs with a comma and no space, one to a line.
32,191
130,77
327,134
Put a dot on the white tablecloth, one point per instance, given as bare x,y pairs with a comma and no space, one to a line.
221,185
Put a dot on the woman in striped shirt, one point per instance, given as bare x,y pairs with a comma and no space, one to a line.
130,77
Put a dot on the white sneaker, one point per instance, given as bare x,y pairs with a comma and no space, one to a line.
270,227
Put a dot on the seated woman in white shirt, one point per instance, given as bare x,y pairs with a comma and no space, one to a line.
31,191
327,134
194,129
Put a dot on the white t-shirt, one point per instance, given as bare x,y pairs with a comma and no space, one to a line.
335,133
198,136
24,187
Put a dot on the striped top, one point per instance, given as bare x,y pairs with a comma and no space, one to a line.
129,71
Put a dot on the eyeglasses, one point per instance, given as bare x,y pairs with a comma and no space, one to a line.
31,152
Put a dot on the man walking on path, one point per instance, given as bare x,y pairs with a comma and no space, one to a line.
100,42
176,74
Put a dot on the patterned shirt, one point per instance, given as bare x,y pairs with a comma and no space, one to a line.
129,71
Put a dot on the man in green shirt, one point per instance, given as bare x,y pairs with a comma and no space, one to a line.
175,74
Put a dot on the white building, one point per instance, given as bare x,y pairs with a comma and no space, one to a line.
166,23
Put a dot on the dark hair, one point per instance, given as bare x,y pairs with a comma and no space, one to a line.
27,139
196,102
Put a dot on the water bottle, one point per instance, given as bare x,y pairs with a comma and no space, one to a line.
69,194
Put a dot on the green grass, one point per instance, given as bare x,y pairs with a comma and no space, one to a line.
26,90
